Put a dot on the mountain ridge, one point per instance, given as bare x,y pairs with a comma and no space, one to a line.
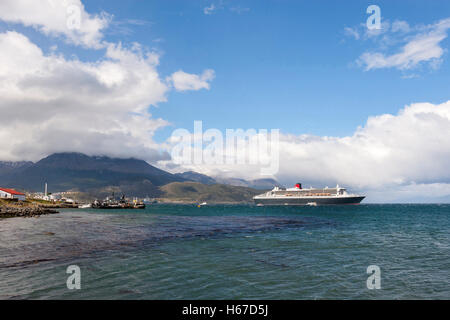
100,176
76,171
9,167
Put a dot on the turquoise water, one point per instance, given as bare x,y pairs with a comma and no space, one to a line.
229,252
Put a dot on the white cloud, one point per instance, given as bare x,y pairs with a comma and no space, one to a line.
125,27
183,81
391,153
352,32
410,147
239,9
210,10
421,44
56,18
375,33
221,5
400,26
51,104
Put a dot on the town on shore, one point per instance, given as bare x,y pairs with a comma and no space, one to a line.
78,180
14,203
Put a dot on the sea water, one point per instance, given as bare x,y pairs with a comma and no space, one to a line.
229,252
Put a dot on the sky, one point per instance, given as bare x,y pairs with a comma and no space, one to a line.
368,109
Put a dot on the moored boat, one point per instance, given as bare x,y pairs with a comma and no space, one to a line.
111,203
310,197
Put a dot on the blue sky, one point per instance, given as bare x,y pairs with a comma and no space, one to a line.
279,64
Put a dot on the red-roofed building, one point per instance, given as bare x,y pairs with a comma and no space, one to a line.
11,194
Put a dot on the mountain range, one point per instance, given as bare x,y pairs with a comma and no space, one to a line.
100,175
8,167
260,184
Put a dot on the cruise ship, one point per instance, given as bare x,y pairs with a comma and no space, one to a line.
311,196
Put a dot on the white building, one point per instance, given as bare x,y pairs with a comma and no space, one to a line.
11,194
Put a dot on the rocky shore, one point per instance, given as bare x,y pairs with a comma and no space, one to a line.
16,211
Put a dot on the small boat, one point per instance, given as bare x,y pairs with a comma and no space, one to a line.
85,206
312,204
139,206
150,200
202,204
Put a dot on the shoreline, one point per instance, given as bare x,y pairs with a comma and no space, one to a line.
24,212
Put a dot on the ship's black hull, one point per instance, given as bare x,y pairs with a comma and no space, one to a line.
320,201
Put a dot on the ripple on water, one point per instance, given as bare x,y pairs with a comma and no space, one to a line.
229,252
30,241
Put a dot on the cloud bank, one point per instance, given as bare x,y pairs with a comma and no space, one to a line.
398,154
410,147
49,103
